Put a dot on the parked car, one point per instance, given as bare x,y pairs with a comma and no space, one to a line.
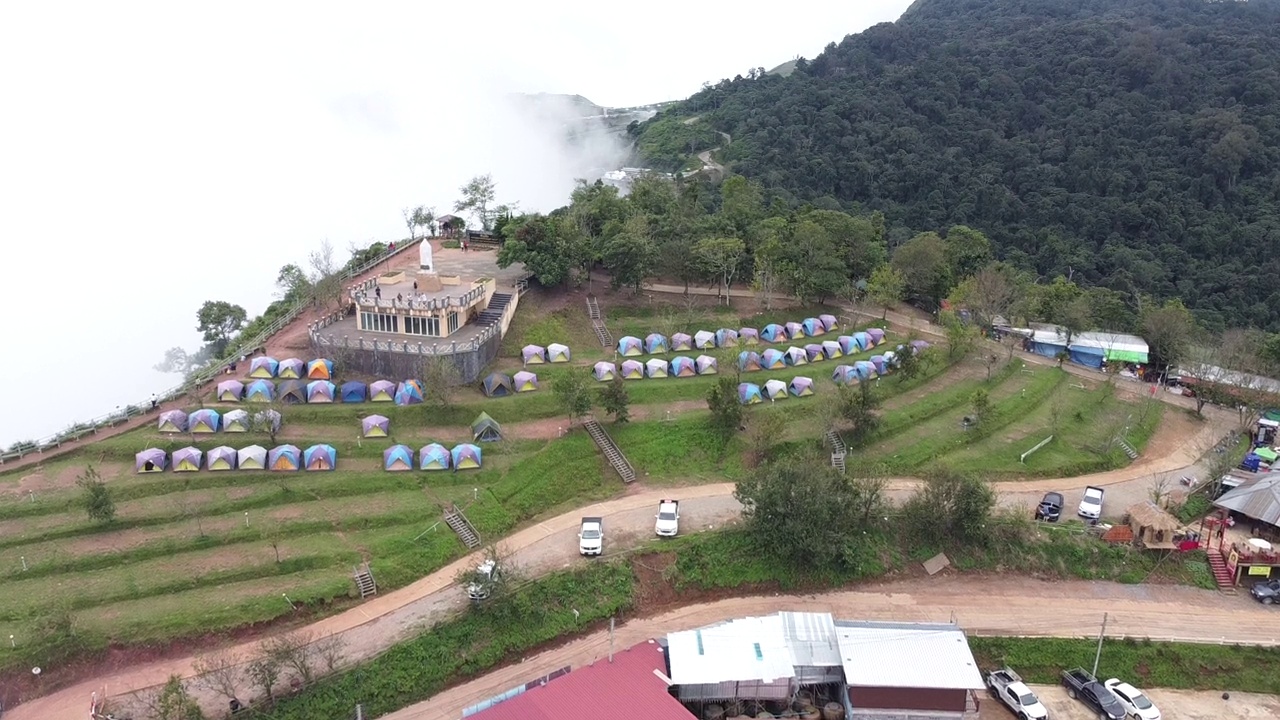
1091,503
1136,704
486,576
591,536
1266,592
1007,685
1083,686
668,516
1050,507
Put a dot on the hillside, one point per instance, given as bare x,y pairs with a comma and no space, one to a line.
1127,143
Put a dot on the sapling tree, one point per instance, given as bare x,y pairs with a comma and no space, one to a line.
96,497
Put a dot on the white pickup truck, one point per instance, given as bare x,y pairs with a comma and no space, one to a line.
1007,686
481,586
668,523
1091,503
591,536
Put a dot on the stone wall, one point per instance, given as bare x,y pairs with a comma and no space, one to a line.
400,360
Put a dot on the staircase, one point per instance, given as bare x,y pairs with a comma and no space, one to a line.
454,518
364,581
492,315
1127,448
610,450
1222,576
597,322
838,450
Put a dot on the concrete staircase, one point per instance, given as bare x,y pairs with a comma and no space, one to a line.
1222,576
364,581
597,322
838,450
1127,448
610,450
492,315
454,518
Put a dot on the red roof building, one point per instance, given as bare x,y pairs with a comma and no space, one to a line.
634,684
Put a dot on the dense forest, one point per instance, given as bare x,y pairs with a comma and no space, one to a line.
1128,145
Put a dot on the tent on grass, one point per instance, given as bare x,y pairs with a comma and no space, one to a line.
263,367
375,426
267,421
236,421
150,460
813,327
704,339
655,368
354,391
465,456
863,340
397,458
382,391
682,366
773,359
253,457
292,391
795,330
656,344
408,392
173,421
919,345
558,353
775,390
876,335
284,458
681,341
630,346
497,385
485,428
204,420
773,333
748,336
831,349
230,391
749,394
801,386
632,370
796,356
320,369
726,338
291,369
434,457
844,374
865,370
260,391
187,459
828,322
525,381
604,371
891,358
320,391
706,365
848,345
220,458
533,354
749,361
320,457
814,352
880,363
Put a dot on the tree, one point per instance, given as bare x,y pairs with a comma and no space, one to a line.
961,337
854,412
423,217
615,399
886,287
477,196
219,672
440,378
170,702
720,258
741,202
176,360
764,431
925,267
410,222
292,651
96,497
980,403
814,269
969,250
909,362
726,411
264,672
631,255
570,388
326,283
768,238
293,283
544,245
993,290
1167,328
219,320
951,507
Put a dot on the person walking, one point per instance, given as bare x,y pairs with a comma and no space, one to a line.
155,401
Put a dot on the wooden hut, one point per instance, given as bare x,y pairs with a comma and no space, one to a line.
1152,527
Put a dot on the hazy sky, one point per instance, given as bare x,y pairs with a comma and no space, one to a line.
156,155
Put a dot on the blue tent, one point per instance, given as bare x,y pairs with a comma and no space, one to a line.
773,332
655,343
466,456
844,374
726,338
813,327
408,393
865,370
260,391
749,394
749,361
435,457
320,457
1084,355
354,392
863,340
397,458
773,359
630,346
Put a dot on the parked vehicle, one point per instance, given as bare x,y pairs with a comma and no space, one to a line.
1050,507
1266,592
487,575
1135,704
591,536
1091,503
1007,685
668,516
1083,686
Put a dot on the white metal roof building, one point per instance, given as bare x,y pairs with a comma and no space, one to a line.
907,655
746,657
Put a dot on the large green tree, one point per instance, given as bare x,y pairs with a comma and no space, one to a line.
219,321
925,266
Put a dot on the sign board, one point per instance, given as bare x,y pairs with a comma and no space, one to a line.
1263,570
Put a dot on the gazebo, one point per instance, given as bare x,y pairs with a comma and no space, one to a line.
1152,527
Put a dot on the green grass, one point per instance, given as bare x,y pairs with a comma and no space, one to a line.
685,447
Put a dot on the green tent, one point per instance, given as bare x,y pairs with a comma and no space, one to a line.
1266,453
485,429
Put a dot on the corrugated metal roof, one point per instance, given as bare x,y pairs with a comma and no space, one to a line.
907,655
744,649
630,685
812,638
1110,341
1259,500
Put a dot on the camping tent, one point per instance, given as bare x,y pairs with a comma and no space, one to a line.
681,341
173,421
497,385
291,369
260,391
843,375
320,369
408,392
320,457
828,322
485,428
748,336
397,458
320,391
682,366
726,337
150,460
814,352
705,365
749,361
558,353
655,368
863,341
434,457
253,457
865,370
292,391
630,346
876,335
525,381
465,456
796,356
813,327
656,344
382,391
795,330
773,359
204,420
533,354
749,394
375,426
604,371
831,349
220,458
704,339
354,391
236,421
1086,355
801,386
632,370
187,459
848,345
775,390
284,457
880,363
267,419
230,391
263,367
919,345
773,333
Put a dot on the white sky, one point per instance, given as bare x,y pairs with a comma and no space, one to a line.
154,155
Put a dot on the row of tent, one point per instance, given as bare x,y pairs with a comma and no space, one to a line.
875,366
679,366
408,392
255,457
483,428
267,368
751,393
536,354
658,344
499,384
207,420
431,457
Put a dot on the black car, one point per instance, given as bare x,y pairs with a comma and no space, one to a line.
1050,508
1266,592
1083,686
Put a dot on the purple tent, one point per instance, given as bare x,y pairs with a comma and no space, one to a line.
260,391
604,371
797,356
747,336
795,330
813,327
726,337
749,394
879,362
775,389
843,375
877,336
320,391
815,352
525,381
863,340
263,367
749,361
919,345
683,366
832,349
435,457
382,391
656,344
285,458
704,339
150,460
706,365
533,354
655,367
865,370
204,420
632,370
230,391
221,458
630,346
173,421
801,386
397,458
681,341
828,322
465,456
375,426
291,369
848,345
773,359
773,333
187,459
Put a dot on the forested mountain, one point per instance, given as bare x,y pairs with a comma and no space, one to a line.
1129,144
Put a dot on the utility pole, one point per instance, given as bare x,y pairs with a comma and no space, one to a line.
610,639
1098,656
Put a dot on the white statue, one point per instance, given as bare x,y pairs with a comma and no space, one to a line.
424,256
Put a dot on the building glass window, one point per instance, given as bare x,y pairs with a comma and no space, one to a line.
379,322
453,322
422,326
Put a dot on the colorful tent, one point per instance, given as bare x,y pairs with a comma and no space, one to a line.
749,394
260,391
485,429
749,361
253,457
263,367
229,391
187,459
879,362
150,460
681,341
748,336
801,386
236,421
220,458
773,358
630,346
533,354
497,385
775,390
814,352
604,371
408,392
285,458
632,370
321,391
375,426
863,341
292,391
382,391
706,365
726,338
656,344
320,369
865,370
795,330
558,353
919,345
843,375
682,366
704,339
173,421
525,381
877,336
291,369
320,457
773,333
813,327
828,322
354,391
848,345
656,367
397,458
434,457
204,420
796,356
267,420
831,349
465,456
